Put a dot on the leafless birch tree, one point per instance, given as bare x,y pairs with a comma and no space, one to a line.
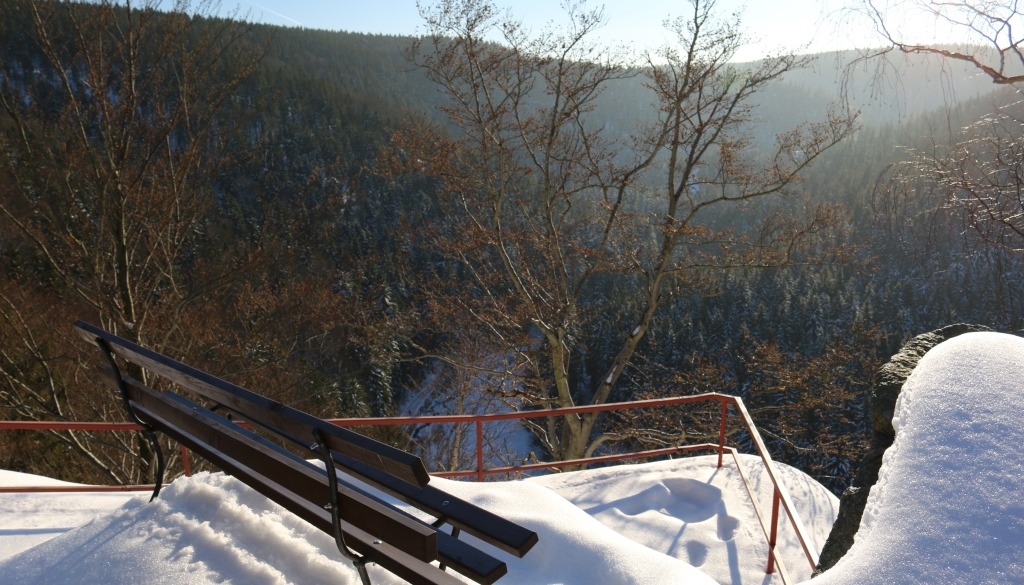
550,203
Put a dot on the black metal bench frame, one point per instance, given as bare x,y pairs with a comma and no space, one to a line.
365,527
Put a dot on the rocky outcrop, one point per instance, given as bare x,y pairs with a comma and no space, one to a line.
888,382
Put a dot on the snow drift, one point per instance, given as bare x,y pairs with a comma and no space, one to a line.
634,524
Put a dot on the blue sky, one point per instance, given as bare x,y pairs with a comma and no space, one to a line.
792,24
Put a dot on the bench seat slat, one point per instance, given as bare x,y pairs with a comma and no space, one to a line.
462,557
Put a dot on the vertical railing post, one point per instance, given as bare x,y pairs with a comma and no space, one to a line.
721,432
776,496
479,450
185,461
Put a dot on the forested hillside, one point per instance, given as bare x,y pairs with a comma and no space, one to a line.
260,201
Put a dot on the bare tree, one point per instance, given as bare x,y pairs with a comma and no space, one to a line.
109,147
979,172
991,39
549,206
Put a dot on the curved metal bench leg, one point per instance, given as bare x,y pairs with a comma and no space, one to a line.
335,506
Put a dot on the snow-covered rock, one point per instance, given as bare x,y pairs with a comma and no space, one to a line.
949,503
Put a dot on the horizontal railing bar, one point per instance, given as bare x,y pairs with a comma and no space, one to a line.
442,474
401,420
55,425
32,425
570,462
525,414
58,489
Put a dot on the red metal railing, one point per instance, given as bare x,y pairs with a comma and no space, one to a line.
770,528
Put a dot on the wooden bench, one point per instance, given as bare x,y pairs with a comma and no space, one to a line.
366,527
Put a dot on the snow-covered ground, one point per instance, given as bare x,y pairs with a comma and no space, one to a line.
949,508
634,524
